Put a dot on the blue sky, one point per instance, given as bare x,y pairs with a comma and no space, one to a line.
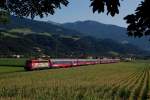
80,10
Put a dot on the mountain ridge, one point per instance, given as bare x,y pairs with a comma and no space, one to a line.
37,26
104,31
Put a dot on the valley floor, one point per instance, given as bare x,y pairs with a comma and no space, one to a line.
121,81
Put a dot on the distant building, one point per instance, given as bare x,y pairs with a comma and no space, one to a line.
17,56
127,59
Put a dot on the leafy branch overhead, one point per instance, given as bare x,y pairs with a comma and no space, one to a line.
139,23
111,5
40,8
33,8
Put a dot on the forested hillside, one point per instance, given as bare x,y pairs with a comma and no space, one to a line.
33,38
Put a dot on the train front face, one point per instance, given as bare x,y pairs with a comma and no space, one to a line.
28,65
37,64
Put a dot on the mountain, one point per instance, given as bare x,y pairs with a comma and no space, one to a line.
62,46
36,26
33,38
106,31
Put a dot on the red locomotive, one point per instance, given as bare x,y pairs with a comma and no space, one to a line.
37,64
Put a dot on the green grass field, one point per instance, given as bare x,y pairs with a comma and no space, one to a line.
8,65
120,81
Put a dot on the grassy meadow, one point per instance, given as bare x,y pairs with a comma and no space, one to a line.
120,81
9,65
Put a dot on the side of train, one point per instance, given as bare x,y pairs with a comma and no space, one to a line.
34,64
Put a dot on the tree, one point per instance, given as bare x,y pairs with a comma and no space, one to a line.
4,16
111,5
32,8
139,23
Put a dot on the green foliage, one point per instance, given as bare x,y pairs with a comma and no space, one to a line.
139,23
40,8
32,8
111,5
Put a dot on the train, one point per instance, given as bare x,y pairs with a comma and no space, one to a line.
34,64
